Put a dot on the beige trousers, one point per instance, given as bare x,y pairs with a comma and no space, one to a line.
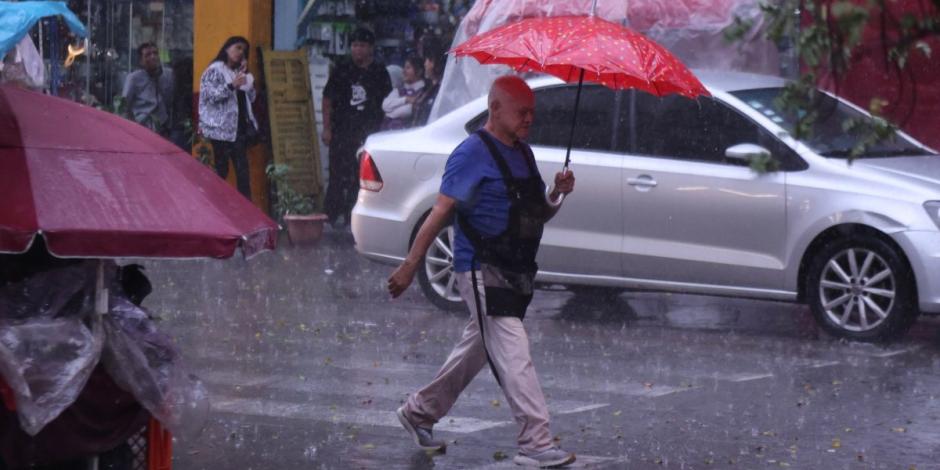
508,345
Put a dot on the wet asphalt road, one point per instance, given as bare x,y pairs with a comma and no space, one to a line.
306,358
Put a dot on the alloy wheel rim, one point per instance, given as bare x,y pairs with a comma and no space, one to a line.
439,266
857,290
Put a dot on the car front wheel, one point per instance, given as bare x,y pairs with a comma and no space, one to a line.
437,276
862,289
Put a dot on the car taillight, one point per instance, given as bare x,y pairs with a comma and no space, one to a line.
369,177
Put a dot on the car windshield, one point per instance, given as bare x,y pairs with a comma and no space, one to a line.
827,136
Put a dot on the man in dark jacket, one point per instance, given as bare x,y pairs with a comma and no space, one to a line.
352,109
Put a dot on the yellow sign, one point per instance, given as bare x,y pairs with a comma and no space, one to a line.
294,139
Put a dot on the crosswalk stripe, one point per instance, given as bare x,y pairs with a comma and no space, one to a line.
748,377
297,383
367,417
582,461
884,354
384,418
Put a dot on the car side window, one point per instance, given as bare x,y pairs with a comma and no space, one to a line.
554,107
686,129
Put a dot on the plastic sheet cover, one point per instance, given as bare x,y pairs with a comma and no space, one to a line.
23,65
690,29
51,340
143,361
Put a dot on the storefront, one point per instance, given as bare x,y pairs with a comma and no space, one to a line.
116,28
400,25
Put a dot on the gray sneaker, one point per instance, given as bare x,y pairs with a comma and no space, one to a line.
423,437
554,457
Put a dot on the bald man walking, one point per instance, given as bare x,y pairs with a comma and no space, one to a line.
492,185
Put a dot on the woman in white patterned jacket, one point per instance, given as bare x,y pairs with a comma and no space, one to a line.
226,91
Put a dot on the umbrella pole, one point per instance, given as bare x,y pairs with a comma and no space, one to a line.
101,292
574,120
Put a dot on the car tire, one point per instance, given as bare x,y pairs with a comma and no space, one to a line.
436,274
862,289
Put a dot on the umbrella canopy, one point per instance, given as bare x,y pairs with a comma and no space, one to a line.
95,185
575,48
569,46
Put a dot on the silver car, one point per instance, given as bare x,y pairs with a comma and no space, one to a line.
667,201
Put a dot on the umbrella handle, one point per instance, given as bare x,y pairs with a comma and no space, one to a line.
548,190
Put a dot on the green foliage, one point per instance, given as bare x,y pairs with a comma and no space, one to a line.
118,105
870,131
203,151
826,33
797,98
201,147
288,201
738,30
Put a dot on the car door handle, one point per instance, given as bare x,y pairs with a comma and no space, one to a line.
643,181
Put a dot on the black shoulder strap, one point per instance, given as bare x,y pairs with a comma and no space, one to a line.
498,158
530,160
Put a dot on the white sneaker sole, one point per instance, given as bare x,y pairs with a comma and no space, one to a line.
526,461
414,433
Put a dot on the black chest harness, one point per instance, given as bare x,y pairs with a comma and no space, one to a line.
507,260
507,264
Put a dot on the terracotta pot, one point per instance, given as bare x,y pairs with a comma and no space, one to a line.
304,230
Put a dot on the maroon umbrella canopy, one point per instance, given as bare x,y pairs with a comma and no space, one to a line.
96,185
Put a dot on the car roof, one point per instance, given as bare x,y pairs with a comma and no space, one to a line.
714,80
734,81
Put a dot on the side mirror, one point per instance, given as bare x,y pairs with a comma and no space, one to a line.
746,152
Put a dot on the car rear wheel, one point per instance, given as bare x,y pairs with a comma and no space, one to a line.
862,289
437,277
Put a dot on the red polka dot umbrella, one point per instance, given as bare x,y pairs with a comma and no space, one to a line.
579,48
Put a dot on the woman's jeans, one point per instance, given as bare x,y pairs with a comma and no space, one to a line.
237,152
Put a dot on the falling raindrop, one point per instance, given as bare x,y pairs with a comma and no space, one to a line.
310,453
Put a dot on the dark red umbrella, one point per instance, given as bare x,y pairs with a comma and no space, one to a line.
578,48
95,185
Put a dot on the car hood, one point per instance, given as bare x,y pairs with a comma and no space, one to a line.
923,169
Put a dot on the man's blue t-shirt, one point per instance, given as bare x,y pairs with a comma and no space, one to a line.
473,179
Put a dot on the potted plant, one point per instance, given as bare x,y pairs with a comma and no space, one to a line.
304,227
